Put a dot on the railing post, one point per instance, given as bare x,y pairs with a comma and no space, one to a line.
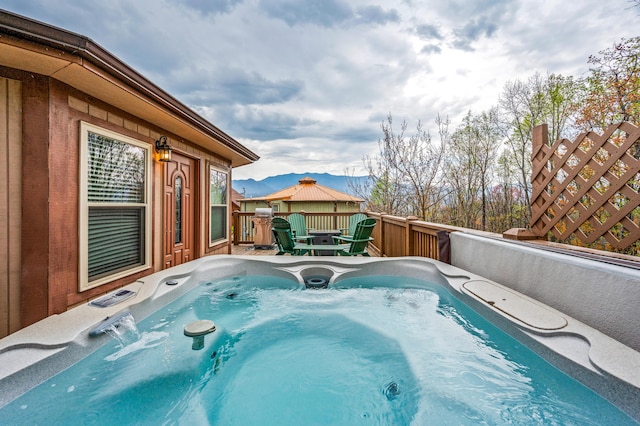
539,166
540,138
383,252
521,234
235,223
408,243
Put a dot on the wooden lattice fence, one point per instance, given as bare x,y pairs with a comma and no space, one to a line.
588,189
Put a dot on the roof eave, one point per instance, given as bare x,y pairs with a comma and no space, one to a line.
79,62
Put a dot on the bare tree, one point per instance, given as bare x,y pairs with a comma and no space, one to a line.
404,176
473,150
488,145
384,183
506,202
462,175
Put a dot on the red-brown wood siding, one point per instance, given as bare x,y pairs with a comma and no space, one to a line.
35,199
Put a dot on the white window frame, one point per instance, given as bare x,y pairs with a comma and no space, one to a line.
213,168
84,283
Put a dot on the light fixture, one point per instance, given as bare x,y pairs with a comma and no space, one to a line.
163,149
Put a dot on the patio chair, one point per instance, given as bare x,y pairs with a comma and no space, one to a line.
286,244
353,222
299,227
281,230
361,237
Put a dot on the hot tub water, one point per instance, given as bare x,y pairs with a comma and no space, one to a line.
358,354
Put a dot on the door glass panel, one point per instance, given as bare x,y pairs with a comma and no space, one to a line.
178,224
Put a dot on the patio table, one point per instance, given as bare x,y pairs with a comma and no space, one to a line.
325,238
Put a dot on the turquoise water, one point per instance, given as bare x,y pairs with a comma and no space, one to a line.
361,354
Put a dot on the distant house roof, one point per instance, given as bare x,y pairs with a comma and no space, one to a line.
235,199
308,190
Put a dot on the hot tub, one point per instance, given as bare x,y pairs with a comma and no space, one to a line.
339,340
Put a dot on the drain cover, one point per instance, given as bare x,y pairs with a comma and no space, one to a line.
317,282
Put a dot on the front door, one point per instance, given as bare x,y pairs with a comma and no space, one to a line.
179,209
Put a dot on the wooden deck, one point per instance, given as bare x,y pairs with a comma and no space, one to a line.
249,250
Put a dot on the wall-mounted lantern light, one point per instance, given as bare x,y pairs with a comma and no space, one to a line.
163,149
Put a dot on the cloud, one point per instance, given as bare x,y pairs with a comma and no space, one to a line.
480,19
428,32
327,13
430,48
324,13
233,86
209,7
311,80
255,122
373,14
265,124
366,133
472,31
462,10
252,88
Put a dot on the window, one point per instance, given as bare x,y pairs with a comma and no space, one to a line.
115,211
218,209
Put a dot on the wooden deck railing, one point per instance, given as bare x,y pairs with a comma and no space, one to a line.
393,235
243,230
406,236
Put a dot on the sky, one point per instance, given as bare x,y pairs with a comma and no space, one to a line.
306,84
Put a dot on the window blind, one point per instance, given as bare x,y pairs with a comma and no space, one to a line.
116,239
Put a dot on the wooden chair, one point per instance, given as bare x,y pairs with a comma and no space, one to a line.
353,222
360,241
281,229
299,227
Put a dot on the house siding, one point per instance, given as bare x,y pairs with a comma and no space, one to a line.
323,207
45,269
10,203
307,206
251,206
35,198
53,81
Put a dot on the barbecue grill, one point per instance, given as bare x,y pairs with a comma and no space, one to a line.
262,237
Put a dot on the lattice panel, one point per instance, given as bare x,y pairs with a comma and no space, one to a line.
589,188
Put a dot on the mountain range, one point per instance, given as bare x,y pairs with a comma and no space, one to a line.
251,188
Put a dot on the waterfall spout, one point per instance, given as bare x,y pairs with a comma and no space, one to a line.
121,326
